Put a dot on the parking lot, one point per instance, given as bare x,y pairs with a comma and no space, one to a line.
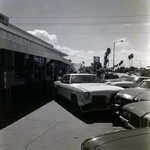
56,126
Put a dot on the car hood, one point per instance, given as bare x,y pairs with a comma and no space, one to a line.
122,82
129,139
139,108
130,93
144,96
91,87
113,80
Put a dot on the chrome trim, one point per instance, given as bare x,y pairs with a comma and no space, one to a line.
126,122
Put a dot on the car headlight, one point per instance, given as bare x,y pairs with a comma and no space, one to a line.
118,95
146,121
86,146
119,101
135,99
116,100
126,114
87,95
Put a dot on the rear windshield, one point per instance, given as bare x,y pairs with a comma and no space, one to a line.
85,79
130,79
144,84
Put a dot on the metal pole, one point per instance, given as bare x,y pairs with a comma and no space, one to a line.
140,62
114,57
114,53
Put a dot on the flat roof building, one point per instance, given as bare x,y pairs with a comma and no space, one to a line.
27,64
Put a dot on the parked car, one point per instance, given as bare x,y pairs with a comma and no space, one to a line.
136,115
121,78
129,95
111,75
137,139
86,91
131,81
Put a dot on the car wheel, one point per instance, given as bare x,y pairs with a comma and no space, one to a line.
75,104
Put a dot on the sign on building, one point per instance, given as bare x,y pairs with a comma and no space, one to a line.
96,59
4,19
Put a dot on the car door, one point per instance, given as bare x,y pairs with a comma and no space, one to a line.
64,87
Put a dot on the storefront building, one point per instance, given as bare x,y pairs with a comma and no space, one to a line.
27,65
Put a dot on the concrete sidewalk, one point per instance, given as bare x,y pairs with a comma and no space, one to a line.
50,127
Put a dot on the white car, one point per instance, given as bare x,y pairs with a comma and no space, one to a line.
86,91
129,82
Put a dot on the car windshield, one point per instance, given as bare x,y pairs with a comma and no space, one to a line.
144,84
129,79
85,79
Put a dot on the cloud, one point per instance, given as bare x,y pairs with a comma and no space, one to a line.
44,35
77,56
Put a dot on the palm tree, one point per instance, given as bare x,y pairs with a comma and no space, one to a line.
130,57
106,59
121,62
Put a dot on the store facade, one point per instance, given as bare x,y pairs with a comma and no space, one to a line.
27,65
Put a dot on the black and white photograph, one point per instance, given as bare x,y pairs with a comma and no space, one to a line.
74,74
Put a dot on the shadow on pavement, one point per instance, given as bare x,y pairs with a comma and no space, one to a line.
22,105
91,117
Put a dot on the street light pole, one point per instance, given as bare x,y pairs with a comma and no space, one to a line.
114,53
140,62
114,56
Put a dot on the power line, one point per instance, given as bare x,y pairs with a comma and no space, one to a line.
83,23
55,17
73,33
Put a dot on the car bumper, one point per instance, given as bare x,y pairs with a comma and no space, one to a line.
126,122
89,107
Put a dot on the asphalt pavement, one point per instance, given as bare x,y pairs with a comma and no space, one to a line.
55,126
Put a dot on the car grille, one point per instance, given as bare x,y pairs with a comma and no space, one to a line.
99,101
135,120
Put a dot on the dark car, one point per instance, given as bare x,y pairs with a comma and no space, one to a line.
134,139
136,115
129,95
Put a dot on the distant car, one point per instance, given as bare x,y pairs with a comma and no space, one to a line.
120,79
121,76
133,139
131,81
136,115
111,75
86,91
130,95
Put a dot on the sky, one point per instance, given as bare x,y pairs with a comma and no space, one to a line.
86,28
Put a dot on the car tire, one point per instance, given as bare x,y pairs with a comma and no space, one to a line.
75,104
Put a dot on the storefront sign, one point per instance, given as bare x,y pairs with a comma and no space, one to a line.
4,19
96,59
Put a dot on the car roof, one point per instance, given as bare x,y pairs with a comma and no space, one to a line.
139,76
147,79
80,74
143,77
